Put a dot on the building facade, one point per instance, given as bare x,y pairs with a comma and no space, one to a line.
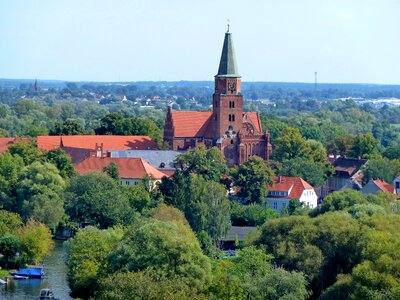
236,133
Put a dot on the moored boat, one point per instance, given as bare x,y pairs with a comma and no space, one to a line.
46,294
30,273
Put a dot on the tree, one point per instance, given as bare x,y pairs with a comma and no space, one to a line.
169,247
148,284
109,123
68,127
97,198
9,246
61,160
36,241
365,146
315,174
9,222
26,150
290,144
87,255
112,171
381,168
253,177
10,169
138,197
39,193
208,163
251,215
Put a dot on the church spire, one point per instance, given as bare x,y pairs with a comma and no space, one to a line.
227,64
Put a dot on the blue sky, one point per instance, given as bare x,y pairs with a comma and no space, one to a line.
131,40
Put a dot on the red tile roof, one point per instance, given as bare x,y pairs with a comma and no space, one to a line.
385,187
110,142
190,123
128,167
294,185
194,123
255,119
5,142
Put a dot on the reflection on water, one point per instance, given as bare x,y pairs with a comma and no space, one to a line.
55,279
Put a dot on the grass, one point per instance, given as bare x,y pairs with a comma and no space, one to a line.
4,273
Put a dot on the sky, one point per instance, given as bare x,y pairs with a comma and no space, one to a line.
344,41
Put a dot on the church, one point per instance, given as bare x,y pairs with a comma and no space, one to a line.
237,134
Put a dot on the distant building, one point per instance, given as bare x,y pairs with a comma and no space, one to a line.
379,185
131,170
235,234
163,160
236,133
396,182
348,175
6,142
286,188
80,147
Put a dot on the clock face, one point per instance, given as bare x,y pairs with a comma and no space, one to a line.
232,86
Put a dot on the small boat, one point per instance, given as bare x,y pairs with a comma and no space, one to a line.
3,282
18,277
46,294
30,273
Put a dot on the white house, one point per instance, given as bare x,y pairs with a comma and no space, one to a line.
285,189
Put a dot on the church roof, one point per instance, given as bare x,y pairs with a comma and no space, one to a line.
190,123
194,123
227,64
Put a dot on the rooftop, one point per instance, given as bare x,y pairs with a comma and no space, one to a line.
294,186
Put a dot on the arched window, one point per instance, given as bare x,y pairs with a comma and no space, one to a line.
233,104
231,142
233,118
230,118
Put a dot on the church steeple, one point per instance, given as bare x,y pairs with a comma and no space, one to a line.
227,64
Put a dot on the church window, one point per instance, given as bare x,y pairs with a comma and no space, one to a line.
230,118
233,104
233,118
231,142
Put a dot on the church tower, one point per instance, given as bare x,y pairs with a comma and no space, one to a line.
227,97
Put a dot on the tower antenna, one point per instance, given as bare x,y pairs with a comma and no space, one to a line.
315,84
228,23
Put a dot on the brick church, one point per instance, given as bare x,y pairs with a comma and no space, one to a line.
237,134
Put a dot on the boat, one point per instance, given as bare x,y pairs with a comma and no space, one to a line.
3,282
18,277
30,273
46,294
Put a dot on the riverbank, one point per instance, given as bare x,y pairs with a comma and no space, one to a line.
4,273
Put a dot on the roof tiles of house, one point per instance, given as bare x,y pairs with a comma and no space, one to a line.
295,185
349,166
110,142
128,167
385,187
6,142
194,123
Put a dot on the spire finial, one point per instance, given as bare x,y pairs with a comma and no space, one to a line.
228,21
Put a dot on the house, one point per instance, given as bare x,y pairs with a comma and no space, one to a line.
286,188
396,182
348,175
236,133
379,185
236,234
162,160
80,147
6,142
131,170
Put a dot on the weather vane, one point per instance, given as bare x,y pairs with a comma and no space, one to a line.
228,21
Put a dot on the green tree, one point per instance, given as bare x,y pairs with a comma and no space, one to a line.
36,241
112,171
39,193
68,127
251,215
61,160
98,199
138,197
87,255
109,123
365,146
208,163
9,222
253,177
315,174
381,168
26,150
10,169
290,144
9,246
170,247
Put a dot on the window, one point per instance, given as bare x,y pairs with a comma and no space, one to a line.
230,118
136,183
233,104
397,185
162,165
233,118
275,205
231,142
127,182
215,117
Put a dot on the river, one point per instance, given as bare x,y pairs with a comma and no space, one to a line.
55,279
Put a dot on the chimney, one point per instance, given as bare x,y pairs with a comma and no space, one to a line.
279,179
